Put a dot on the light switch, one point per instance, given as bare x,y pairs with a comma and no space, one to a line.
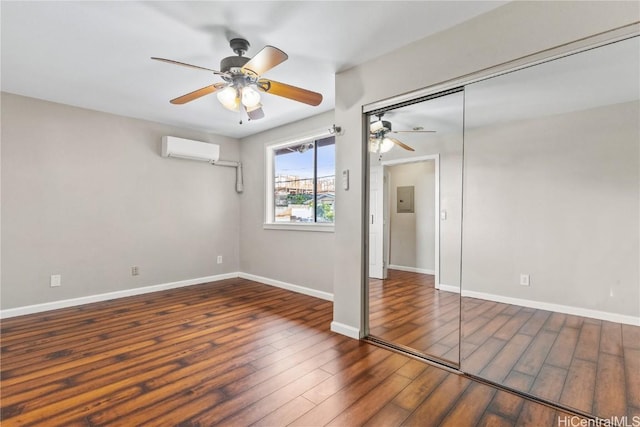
345,179
443,215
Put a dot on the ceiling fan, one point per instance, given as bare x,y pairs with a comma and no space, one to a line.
380,142
243,83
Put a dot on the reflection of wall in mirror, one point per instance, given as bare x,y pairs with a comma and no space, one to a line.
556,198
412,240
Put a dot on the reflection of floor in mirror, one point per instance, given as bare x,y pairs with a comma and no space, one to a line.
588,364
406,309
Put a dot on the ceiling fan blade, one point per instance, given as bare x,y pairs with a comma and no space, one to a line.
197,93
412,131
291,92
255,114
265,60
401,144
171,61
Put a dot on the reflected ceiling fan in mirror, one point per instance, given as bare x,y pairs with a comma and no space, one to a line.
380,142
243,82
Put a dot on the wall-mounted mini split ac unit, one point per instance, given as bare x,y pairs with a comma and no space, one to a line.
188,149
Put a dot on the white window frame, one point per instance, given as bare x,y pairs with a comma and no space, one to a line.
269,222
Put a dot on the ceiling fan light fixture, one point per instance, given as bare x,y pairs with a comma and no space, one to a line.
380,145
254,108
243,83
250,97
385,145
229,98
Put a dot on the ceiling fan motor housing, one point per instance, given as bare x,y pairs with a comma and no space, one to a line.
240,47
232,62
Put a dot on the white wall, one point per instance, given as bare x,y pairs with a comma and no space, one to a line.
87,195
556,197
301,258
412,240
507,33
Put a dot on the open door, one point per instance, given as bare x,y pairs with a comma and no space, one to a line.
377,224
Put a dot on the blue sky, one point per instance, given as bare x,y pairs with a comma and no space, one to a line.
301,164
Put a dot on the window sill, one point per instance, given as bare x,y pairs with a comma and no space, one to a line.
326,228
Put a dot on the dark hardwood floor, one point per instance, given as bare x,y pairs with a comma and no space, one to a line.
587,364
583,363
406,309
230,353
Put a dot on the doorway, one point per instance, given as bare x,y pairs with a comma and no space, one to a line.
413,231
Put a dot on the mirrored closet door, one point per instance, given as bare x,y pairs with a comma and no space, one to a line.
550,267
414,226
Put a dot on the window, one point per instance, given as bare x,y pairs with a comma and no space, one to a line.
301,177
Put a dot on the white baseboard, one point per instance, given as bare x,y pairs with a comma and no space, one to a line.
566,309
449,288
411,269
54,305
288,286
349,331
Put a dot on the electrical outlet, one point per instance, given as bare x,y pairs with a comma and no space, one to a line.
219,259
135,270
524,279
56,280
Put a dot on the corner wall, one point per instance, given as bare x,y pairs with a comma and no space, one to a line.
87,195
300,258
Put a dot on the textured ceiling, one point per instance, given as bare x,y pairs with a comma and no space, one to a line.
96,54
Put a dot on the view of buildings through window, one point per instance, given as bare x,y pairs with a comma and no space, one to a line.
304,182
